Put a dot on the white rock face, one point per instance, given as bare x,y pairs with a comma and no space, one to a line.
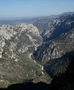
0,56
29,28
42,68
7,32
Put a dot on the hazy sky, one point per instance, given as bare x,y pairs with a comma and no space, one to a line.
30,8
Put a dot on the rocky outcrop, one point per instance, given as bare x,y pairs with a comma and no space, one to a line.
16,46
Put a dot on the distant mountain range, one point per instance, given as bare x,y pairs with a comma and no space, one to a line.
14,21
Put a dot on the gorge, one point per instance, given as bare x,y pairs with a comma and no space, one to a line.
38,54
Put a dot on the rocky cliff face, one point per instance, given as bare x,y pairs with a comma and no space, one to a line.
51,28
58,40
16,46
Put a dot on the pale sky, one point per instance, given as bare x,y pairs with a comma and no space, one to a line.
34,8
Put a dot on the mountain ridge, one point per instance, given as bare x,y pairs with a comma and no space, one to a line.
16,46
58,40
